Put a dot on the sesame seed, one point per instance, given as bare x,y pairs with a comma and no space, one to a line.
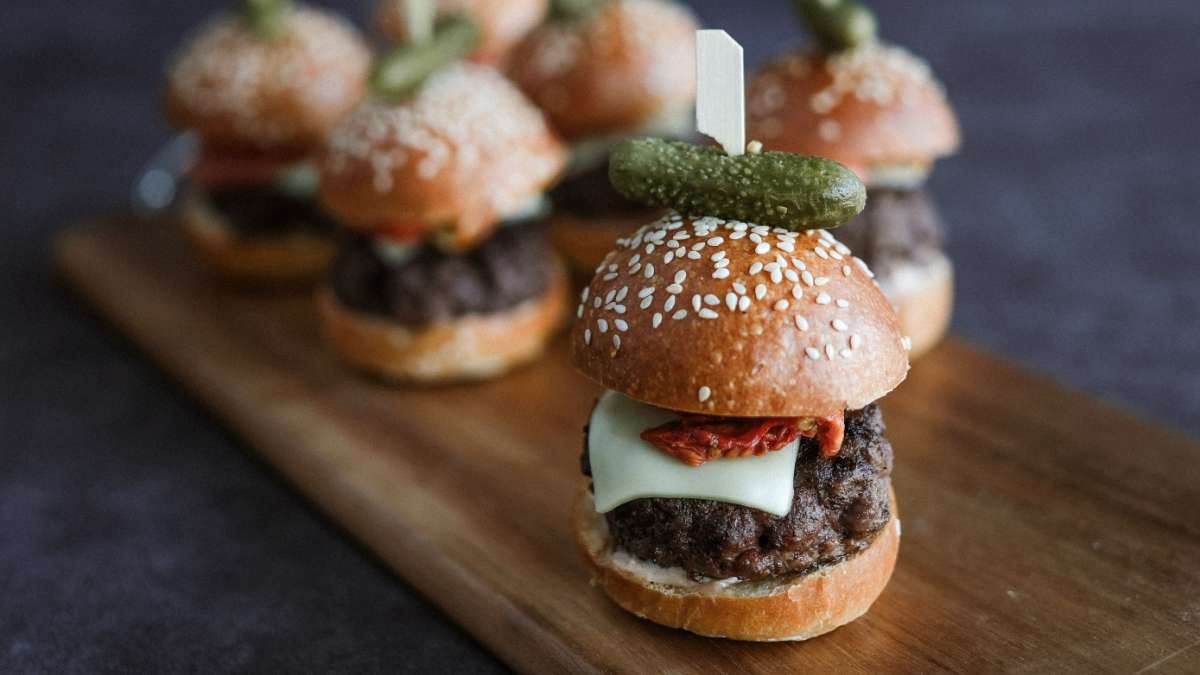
717,257
668,257
756,237
801,322
843,303
707,313
756,268
697,246
821,281
646,302
635,269
710,299
655,320
716,241
617,342
597,301
807,277
610,276
649,249
669,304
839,325
703,394
781,304
830,351
823,298
799,264
721,263
693,255
739,287
634,259
584,295
696,300
906,342
679,314
619,309
680,276
737,235
579,311
835,255
743,303
674,288
762,248
649,271
776,276
845,270
821,253
797,292
792,276
786,245
759,291
731,300
648,290
602,325
720,273
587,336
621,325
813,353
855,341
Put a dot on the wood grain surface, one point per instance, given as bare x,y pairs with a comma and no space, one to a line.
1043,531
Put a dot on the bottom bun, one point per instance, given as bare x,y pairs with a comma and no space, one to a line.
292,258
584,242
472,347
923,296
793,607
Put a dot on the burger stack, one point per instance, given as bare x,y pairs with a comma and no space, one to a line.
438,180
877,109
261,87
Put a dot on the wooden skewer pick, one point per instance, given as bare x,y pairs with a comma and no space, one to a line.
720,90
418,18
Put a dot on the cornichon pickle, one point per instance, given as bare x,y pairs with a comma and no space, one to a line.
567,10
838,24
266,17
400,72
779,189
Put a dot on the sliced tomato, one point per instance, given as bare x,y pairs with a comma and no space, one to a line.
222,167
696,439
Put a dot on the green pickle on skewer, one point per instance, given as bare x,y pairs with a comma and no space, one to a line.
399,73
266,18
779,189
838,24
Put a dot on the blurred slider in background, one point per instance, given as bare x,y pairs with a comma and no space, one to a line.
439,180
877,109
243,84
603,71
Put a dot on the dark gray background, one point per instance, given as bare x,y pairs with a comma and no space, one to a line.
136,535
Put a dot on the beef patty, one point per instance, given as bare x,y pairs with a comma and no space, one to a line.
590,194
896,227
839,505
265,211
511,266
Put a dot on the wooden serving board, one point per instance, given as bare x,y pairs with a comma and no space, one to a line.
1043,531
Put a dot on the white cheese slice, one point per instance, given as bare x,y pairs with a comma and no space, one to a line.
624,467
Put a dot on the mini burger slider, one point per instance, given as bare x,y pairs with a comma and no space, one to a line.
262,88
604,71
877,109
502,23
739,475
427,287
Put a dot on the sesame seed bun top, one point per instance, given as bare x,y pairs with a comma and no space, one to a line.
625,65
467,149
875,108
502,23
236,89
733,319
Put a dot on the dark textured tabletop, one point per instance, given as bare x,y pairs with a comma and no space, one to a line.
135,534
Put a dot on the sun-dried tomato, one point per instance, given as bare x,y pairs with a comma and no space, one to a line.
696,439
